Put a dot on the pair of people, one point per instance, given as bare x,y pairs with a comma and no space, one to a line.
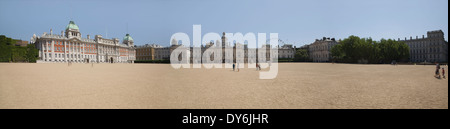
258,67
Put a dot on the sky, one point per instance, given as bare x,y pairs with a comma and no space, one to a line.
297,22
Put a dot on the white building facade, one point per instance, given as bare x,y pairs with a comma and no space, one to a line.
69,46
432,48
320,50
286,51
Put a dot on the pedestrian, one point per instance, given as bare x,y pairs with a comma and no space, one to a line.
233,66
443,73
437,74
257,67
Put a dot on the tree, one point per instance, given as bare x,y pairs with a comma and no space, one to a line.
32,53
364,50
11,53
301,55
337,53
19,54
393,50
5,48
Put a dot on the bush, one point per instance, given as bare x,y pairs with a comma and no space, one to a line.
11,53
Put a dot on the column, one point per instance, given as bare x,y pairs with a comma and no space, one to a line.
79,52
75,51
65,51
82,52
70,50
42,51
53,50
47,54
96,52
72,44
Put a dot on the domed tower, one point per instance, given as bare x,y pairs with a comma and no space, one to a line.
128,40
72,30
174,42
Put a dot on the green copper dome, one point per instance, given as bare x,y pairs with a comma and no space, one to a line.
72,25
127,38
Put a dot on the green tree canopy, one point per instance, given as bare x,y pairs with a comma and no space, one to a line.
364,50
11,53
301,55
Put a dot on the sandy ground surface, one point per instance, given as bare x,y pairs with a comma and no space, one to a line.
298,86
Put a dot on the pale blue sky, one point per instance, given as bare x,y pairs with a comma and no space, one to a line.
297,21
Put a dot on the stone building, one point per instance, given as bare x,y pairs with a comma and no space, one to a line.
320,50
69,46
286,51
146,52
21,43
432,48
152,52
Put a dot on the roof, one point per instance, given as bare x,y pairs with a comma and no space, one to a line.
127,38
72,25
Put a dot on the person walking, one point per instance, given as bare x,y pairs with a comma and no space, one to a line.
437,74
233,66
443,73
257,67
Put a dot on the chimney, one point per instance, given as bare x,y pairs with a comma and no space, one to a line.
51,31
423,36
410,37
62,33
417,37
